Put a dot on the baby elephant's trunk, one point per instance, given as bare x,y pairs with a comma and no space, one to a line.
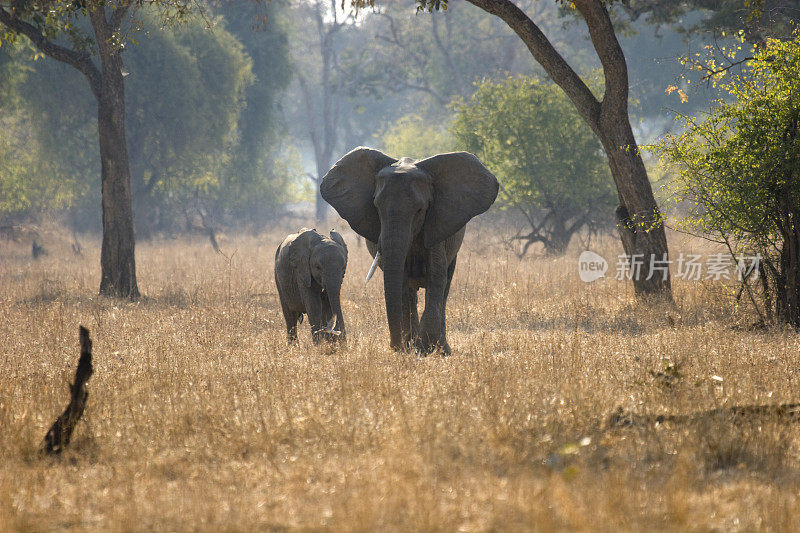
334,299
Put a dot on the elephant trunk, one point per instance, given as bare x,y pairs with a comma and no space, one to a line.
333,288
336,307
394,262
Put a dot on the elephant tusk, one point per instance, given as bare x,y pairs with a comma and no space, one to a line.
372,268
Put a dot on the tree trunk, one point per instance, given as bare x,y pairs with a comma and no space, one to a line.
642,231
787,301
118,269
320,205
323,156
117,261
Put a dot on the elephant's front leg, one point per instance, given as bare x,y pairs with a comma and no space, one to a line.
291,318
409,326
431,327
412,303
450,271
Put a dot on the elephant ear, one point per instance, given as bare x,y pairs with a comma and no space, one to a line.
350,188
301,255
302,269
462,188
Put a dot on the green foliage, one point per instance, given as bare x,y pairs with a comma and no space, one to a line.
261,171
549,163
201,127
54,19
758,19
12,72
44,134
267,45
181,140
739,169
25,180
734,162
413,136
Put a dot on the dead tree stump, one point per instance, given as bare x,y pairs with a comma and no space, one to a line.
61,431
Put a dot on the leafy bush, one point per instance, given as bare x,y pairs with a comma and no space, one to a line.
739,169
549,163
413,136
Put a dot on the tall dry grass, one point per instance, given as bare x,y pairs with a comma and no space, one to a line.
200,417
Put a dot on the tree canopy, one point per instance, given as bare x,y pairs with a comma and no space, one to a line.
201,123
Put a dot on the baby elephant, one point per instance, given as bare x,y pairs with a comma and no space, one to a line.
309,269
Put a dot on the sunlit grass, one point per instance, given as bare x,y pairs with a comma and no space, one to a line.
201,417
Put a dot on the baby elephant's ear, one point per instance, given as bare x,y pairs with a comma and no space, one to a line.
338,239
302,269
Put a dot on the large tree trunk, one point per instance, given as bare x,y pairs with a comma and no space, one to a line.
787,283
642,231
117,262
118,269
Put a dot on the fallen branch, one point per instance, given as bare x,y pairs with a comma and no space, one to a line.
787,412
61,431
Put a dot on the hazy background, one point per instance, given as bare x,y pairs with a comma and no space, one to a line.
233,117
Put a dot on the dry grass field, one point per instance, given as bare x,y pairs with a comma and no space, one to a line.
200,417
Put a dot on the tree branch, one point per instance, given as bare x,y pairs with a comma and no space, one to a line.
712,73
604,40
79,60
119,14
546,55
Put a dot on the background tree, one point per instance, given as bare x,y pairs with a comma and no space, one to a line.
758,19
55,28
261,171
204,130
321,86
549,164
180,141
415,136
740,169
432,56
50,118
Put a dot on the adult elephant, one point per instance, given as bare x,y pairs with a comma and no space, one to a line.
413,215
